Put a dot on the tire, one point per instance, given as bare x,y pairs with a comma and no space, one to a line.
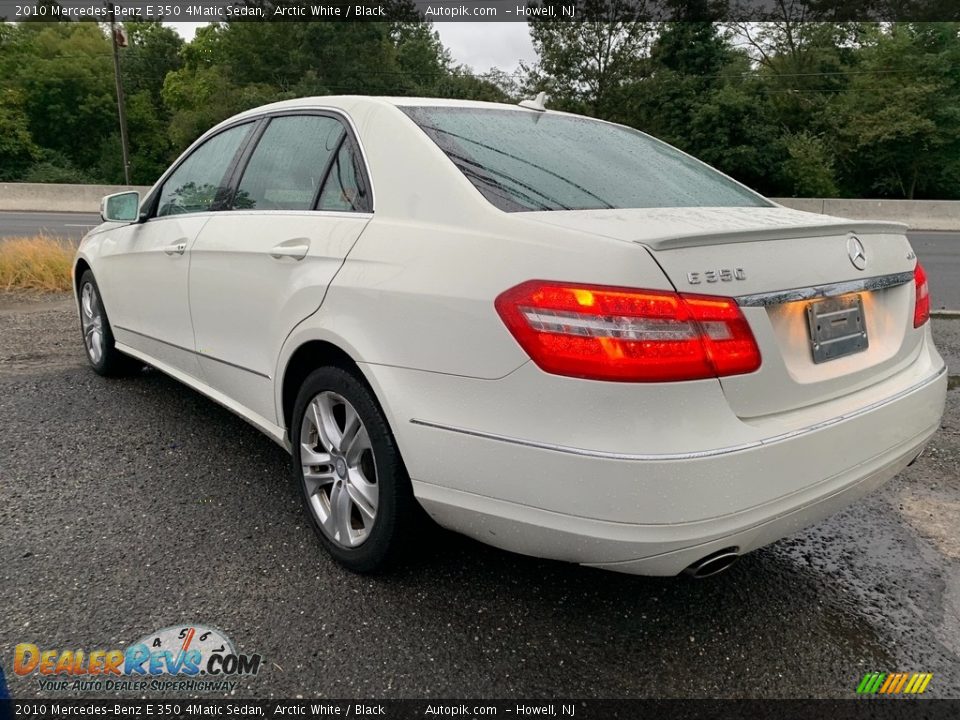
97,335
351,480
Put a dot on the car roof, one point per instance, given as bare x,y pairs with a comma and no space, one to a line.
355,102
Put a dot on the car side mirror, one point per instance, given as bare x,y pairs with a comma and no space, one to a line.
121,207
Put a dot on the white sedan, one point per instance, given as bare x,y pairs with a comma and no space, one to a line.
556,335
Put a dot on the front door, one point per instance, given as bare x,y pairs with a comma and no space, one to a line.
148,263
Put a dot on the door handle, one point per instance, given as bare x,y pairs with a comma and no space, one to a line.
176,249
288,249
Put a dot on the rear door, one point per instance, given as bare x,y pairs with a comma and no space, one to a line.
300,202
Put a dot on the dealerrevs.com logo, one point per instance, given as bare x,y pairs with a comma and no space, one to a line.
183,658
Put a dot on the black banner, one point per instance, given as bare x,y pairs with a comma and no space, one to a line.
483,10
862,709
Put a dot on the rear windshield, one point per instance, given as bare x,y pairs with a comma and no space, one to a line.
541,161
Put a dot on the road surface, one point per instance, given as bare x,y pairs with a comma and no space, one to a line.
67,225
134,504
939,251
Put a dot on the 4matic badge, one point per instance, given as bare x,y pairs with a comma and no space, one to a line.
173,658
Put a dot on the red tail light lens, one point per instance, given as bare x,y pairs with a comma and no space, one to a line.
613,333
921,311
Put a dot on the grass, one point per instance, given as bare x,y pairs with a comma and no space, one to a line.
40,263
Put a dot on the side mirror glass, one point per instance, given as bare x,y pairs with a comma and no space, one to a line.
121,207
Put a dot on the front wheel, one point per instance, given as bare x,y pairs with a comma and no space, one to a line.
349,471
98,341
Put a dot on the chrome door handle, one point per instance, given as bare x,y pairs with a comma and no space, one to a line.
297,252
176,249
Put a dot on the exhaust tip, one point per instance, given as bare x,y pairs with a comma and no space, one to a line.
713,564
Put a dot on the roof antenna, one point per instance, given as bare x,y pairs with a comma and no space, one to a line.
537,103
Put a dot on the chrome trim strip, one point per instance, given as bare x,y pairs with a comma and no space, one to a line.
878,282
192,352
689,455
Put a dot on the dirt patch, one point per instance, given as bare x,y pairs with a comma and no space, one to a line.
17,301
40,331
935,518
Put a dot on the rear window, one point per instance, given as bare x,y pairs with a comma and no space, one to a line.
524,161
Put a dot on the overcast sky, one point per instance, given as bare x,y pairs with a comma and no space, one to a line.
480,45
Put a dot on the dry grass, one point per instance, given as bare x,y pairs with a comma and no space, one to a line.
36,263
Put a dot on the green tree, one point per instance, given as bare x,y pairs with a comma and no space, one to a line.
64,74
583,65
17,149
899,123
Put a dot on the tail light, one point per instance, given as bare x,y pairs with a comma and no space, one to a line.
921,311
613,333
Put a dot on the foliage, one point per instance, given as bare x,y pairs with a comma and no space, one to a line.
790,107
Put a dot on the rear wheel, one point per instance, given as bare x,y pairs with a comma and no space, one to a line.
349,471
98,341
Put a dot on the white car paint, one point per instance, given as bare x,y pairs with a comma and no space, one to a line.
635,477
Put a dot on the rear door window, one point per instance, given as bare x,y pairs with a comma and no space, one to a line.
345,189
288,165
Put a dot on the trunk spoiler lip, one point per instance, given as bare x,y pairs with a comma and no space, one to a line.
781,232
777,297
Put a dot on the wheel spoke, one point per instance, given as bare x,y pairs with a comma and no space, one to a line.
351,427
358,444
364,494
326,423
340,507
317,469
87,300
325,514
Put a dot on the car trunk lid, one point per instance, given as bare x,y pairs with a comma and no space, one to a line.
778,263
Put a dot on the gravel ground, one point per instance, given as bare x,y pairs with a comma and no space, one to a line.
131,505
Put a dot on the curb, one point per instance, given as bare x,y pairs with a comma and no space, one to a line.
945,314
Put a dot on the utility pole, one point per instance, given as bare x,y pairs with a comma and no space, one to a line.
121,102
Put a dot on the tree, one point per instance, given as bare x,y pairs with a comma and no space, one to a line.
582,65
17,149
65,77
899,124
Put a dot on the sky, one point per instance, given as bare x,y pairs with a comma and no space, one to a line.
480,45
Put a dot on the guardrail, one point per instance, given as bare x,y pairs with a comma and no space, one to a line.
53,197
918,214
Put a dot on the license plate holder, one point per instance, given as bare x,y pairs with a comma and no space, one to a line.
837,327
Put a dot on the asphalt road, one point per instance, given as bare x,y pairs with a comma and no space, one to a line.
939,251
66,225
940,254
135,504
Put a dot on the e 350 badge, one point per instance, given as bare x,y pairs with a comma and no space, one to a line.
180,658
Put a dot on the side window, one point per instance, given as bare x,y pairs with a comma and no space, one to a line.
344,189
195,184
287,166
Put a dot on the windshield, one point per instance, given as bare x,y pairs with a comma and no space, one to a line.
543,161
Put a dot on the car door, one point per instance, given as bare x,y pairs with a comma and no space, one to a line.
147,263
300,202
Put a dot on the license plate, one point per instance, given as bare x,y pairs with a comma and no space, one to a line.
837,327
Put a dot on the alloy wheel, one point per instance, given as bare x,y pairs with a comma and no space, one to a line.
91,319
339,470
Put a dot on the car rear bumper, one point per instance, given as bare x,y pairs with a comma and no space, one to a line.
656,509
664,549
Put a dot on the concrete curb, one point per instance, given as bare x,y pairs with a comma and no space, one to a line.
53,197
932,215
945,314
